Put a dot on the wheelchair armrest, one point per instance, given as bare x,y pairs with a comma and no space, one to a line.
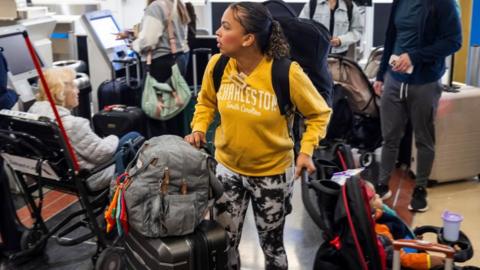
87,173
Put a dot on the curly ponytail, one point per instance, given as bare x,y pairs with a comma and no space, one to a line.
256,19
277,44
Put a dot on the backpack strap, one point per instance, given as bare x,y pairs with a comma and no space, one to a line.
281,83
218,70
313,6
349,12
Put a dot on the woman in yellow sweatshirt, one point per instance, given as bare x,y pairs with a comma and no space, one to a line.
253,146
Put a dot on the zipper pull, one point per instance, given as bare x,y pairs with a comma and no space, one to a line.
165,181
183,187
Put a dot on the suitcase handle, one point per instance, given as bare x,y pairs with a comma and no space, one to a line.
115,107
202,50
127,62
422,245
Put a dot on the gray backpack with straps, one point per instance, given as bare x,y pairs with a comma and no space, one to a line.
169,187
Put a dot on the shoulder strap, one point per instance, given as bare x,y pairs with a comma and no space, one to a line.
313,7
349,12
218,70
170,27
281,83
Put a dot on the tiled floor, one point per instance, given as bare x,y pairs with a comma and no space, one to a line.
60,257
54,202
461,197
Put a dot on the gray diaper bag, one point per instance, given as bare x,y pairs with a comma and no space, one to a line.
170,185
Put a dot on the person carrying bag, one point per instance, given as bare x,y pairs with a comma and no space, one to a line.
163,101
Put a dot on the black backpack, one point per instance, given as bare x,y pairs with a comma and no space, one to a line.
3,71
8,97
309,45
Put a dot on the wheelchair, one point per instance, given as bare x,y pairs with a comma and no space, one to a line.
33,148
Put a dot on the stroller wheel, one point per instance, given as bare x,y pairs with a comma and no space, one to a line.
31,238
366,159
111,258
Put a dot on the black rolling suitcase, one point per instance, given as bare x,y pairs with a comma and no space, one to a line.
123,90
205,249
119,120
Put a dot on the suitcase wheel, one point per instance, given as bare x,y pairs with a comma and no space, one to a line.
32,240
111,258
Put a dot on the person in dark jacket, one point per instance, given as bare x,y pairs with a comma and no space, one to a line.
10,232
8,97
420,35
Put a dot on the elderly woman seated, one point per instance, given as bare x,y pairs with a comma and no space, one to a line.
91,150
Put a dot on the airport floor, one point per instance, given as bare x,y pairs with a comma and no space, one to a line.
302,237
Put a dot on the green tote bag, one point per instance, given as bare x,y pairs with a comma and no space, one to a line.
163,101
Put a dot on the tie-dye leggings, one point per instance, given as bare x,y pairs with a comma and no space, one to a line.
270,197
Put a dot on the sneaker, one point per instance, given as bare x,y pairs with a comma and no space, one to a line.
419,200
383,191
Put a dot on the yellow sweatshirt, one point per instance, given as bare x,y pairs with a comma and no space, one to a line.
253,137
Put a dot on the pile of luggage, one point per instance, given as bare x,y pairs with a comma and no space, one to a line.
159,206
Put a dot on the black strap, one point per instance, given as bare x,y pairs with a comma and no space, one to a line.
218,71
313,7
280,80
281,83
349,12
280,8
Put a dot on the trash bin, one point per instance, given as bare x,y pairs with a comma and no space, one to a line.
78,65
84,96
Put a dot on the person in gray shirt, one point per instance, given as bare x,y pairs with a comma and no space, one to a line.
154,36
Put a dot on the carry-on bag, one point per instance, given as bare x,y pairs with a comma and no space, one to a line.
205,249
119,120
123,90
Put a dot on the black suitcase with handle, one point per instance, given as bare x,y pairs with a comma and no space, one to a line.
119,120
205,249
123,90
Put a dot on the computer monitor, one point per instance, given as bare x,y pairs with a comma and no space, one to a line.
106,28
20,63
101,26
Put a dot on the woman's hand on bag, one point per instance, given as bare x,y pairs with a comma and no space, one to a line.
197,139
378,87
304,161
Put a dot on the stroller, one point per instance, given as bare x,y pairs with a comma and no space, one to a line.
350,241
356,117
355,123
